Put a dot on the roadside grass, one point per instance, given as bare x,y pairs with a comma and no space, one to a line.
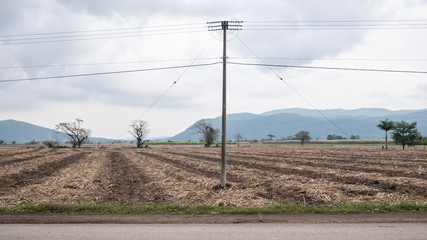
115,209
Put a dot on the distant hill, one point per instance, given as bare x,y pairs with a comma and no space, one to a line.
361,112
281,123
22,132
287,122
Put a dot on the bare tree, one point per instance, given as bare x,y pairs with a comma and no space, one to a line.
75,132
139,130
209,133
57,137
302,136
238,137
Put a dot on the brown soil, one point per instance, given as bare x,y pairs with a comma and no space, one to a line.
169,174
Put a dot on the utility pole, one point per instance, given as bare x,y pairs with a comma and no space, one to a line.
214,26
224,25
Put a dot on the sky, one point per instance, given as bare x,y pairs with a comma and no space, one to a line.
45,38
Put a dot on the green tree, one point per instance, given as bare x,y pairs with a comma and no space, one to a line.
271,136
386,125
302,136
354,137
209,133
405,133
335,137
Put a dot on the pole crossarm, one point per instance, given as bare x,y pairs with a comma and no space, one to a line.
225,25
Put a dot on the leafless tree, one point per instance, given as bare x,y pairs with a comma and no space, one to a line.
57,137
139,130
238,137
209,133
75,132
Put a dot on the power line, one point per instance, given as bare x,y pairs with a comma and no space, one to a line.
335,59
45,37
332,28
212,58
329,68
101,30
336,24
105,63
108,73
173,84
100,38
187,25
339,21
293,89
99,34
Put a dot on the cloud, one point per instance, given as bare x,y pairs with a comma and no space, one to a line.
198,93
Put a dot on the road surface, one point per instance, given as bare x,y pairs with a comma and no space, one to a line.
250,231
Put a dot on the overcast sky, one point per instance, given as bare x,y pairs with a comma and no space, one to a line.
135,34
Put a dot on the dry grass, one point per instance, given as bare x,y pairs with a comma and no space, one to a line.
258,175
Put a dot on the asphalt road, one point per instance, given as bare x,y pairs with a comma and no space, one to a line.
317,231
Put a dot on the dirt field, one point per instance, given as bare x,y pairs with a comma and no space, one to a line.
258,175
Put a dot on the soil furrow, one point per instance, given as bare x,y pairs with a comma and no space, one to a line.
182,165
348,166
28,177
383,186
25,159
127,183
282,192
360,159
22,152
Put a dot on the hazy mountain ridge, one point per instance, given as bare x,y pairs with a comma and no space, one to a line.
281,123
287,122
22,132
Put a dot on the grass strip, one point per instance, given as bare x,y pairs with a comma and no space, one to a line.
207,209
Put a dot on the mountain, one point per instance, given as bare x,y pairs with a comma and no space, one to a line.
287,122
22,132
361,112
281,123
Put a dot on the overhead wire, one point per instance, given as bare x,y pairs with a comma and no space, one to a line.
99,34
100,38
173,84
103,63
293,89
335,59
108,73
65,36
336,24
101,30
329,68
130,32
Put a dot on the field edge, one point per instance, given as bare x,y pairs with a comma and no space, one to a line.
116,209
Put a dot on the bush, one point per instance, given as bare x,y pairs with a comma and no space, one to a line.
49,144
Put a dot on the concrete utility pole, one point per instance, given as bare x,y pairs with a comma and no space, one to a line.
214,26
224,25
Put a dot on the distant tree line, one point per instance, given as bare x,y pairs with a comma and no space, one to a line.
404,133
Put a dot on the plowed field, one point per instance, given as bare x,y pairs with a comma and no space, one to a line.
257,175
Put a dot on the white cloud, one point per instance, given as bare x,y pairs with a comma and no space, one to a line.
108,103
